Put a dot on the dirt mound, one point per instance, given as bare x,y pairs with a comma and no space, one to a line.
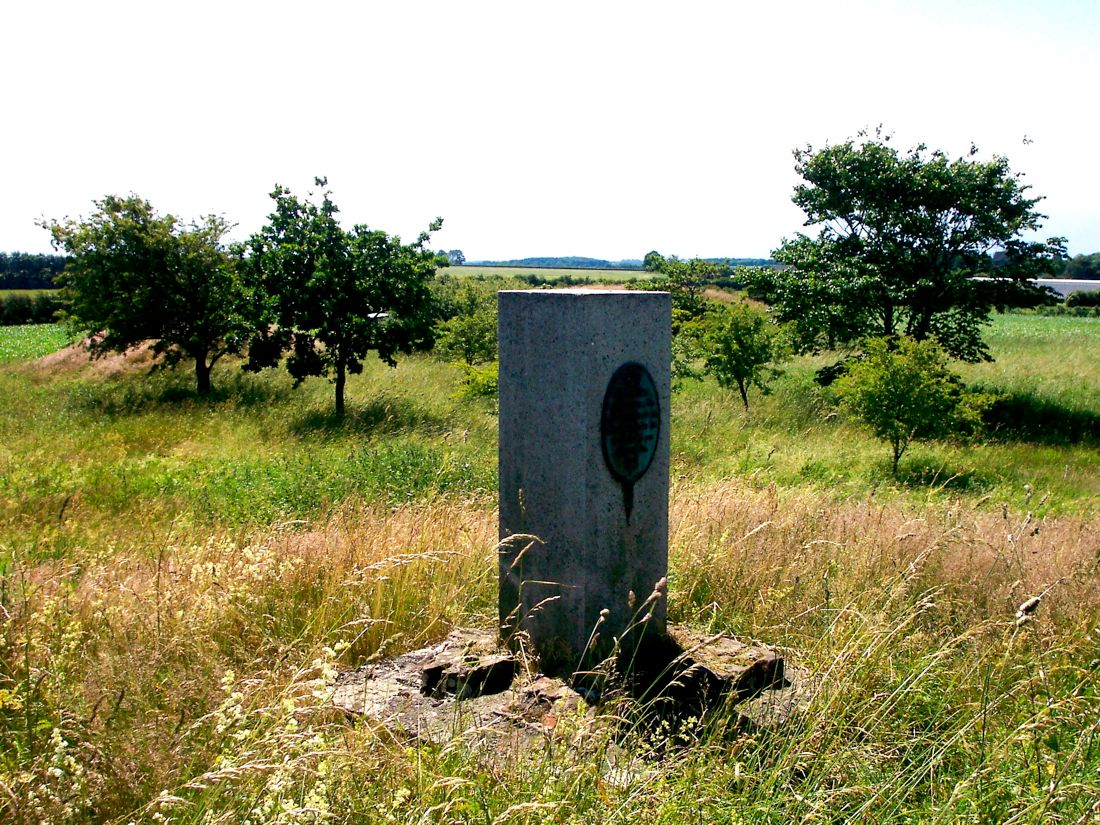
75,358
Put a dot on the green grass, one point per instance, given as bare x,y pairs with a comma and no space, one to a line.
180,578
1046,438
31,341
1052,359
261,452
144,447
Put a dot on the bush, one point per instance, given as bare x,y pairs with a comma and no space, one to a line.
903,389
479,382
740,347
471,339
1083,299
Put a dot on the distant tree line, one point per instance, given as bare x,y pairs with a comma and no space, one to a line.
37,308
1085,267
1082,267
567,262
577,262
24,270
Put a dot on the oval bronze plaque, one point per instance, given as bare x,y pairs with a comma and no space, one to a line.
630,425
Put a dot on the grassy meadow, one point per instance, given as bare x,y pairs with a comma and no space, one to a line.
594,275
181,578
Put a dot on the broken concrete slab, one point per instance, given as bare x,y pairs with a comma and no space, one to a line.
468,666
463,686
467,687
718,666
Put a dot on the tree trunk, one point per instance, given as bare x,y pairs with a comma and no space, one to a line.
924,323
744,394
202,374
341,380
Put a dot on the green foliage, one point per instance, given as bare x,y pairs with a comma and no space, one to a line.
1086,267
740,347
332,295
135,276
479,381
24,270
684,279
471,339
902,389
1083,299
902,237
469,333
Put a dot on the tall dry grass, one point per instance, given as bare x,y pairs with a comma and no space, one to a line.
182,676
122,650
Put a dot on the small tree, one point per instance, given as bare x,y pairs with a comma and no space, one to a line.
333,295
468,331
470,338
135,276
902,389
740,347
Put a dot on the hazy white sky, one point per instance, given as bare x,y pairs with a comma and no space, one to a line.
591,128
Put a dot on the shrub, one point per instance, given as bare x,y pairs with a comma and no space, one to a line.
479,382
1083,299
903,389
16,310
471,339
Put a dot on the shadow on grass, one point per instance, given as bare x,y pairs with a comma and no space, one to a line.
927,474
134,394
381,415
1018,416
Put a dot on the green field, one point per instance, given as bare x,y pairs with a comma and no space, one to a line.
31,341
27,293
596,275
181,577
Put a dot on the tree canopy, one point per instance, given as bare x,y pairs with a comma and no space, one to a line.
134,276
332,295
901,238
684,279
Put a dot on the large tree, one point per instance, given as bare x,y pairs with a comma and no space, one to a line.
333,295
901,238
134,276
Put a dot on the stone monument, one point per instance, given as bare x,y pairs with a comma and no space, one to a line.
584,413
584,444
